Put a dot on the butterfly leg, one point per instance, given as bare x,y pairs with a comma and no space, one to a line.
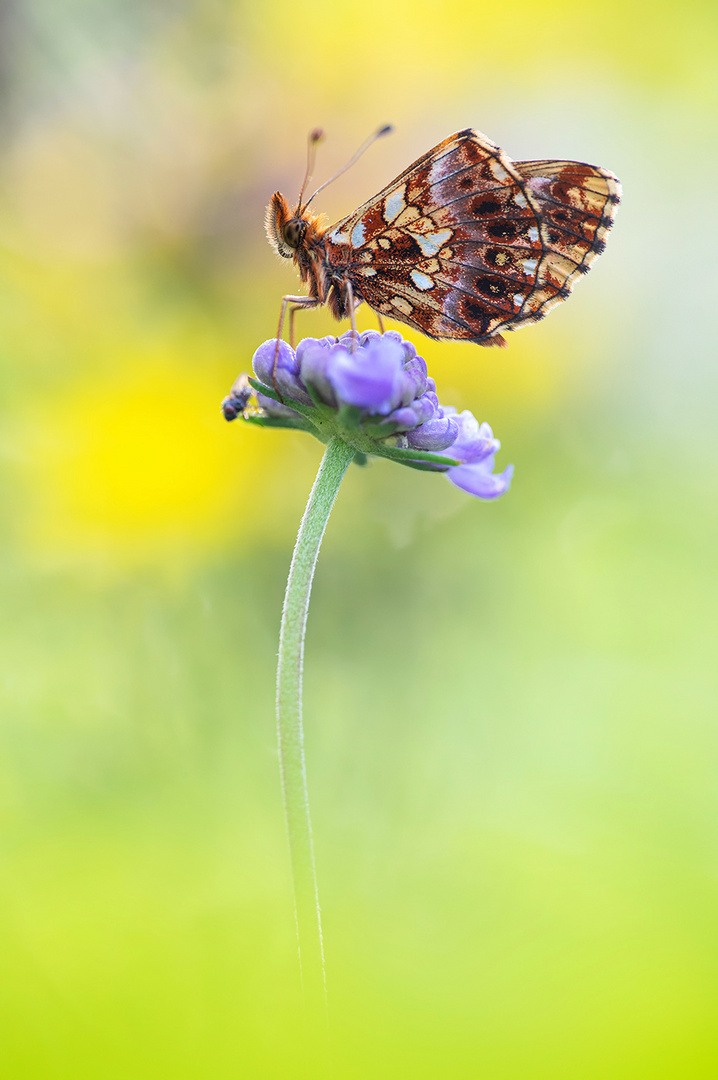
380,321
292,312
351,309
298,302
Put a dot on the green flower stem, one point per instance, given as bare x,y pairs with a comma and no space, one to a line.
290,733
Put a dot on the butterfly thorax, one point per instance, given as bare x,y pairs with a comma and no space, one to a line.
300,235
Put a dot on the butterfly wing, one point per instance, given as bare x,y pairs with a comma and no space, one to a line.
456,246
442,247
577,205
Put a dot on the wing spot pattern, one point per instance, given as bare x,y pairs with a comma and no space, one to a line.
401,305
394,203
432,243
422,281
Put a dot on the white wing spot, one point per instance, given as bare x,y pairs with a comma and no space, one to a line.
529,266
337,237
520,200
401,305
358,234
519,299
394,204
384,243
367,271
497,168
422,281
533,234
432,243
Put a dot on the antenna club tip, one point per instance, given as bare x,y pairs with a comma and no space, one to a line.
386,130
316,135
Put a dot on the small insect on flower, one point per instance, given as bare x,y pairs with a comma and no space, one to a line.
237,400
465,244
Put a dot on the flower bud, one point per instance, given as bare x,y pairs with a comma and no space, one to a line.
277,368
437,434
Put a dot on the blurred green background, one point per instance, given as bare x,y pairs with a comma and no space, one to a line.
510,708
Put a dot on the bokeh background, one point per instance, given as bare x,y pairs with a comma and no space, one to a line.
510,708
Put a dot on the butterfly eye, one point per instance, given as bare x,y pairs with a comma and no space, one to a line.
294,232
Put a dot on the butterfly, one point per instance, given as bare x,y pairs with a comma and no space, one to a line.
465,244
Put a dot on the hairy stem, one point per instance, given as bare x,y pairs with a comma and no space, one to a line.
290,733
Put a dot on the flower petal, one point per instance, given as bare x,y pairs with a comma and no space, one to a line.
371,378
478,478
475,441
315,361
437,434
282,376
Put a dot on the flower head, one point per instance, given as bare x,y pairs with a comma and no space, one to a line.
375,392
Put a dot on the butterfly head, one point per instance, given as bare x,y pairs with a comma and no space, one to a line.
286,229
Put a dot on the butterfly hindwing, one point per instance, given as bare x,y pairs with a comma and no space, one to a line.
577,205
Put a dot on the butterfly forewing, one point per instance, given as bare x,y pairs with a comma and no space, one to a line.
452,245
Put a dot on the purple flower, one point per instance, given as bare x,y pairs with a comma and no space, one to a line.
474,441
374,392
313,359
437,434
372,377
281,375
475,447
479,478
415,378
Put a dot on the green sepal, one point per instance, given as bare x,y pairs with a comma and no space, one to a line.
418,465
380,430
349,418
406,455
296,406
319,405
279,422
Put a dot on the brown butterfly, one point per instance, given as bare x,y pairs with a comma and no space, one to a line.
465,244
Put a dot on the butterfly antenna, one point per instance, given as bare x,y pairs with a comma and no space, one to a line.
355,157
314,137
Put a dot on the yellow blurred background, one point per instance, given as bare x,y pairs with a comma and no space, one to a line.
510,708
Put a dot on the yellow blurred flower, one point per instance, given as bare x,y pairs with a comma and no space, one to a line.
140,467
